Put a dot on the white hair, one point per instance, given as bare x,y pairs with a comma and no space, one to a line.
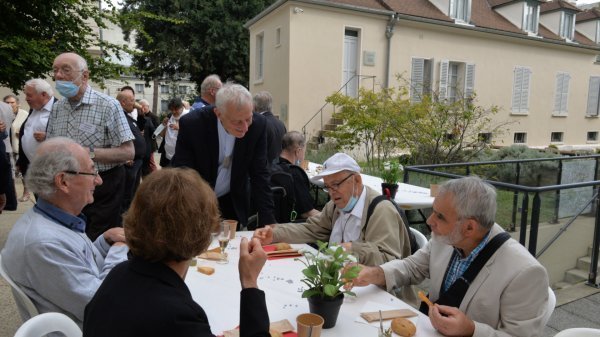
232,93
40,86
472,198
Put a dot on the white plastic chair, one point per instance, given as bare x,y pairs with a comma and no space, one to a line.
23,301
421,239
48,322
551,305
579,332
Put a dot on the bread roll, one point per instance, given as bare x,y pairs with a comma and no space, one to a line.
206,270
282,246
403,327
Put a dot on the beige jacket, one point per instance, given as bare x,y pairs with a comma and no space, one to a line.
508,297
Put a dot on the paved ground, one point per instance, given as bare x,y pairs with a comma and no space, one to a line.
578,306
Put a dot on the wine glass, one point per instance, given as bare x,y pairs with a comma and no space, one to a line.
223,237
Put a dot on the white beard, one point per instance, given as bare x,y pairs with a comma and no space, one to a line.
450,239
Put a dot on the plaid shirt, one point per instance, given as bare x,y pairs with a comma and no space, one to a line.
458,265
97,120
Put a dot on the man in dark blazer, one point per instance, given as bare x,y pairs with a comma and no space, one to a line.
227,145
263,102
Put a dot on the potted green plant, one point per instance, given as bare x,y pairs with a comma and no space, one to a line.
325,274
392,171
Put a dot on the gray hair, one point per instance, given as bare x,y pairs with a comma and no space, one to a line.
291,140
472,198
144,101
10,95
263,101
210,82
232,93
40,86
81,62
52,157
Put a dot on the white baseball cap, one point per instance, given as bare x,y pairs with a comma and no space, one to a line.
337,163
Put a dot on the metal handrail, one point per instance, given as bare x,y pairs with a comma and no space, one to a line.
320,111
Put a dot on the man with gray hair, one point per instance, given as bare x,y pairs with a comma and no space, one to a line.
483,282
97,122
226,144
263,102
47,253
39,96
208,91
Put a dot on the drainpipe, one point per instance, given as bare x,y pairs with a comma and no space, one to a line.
389,32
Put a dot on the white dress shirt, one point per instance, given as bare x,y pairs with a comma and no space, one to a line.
226,144
347,226
37,121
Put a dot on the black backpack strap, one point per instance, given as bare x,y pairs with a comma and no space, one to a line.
455,294
411,237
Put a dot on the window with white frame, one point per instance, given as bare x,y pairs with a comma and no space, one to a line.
460,10
139,88
592,136
457,80
521,83
561,95
593,96
556,137
420,78
567,25
260,51
183,89
531,17
164,89
520,138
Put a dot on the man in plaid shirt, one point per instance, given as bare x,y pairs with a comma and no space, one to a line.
97,122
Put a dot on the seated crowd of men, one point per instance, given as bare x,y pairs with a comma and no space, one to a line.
96,247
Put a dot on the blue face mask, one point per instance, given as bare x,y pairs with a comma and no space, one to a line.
67,88
352,202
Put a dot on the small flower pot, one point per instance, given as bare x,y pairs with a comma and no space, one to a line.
326,308
392,188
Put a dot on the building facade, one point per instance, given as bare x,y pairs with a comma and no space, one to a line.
536,61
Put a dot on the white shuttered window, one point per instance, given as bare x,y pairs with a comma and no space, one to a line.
469,80
443,89
593,96
521,85
561,95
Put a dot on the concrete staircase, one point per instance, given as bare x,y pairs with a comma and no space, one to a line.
580,273
314,142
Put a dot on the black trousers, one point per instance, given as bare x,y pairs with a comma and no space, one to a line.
11,193
228,211
105,211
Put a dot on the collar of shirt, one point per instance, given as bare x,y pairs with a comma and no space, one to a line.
76,223
47,106
459,265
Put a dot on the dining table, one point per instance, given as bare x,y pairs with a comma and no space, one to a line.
408,197
219,295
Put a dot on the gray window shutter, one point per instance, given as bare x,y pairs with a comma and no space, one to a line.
565,93
562,92
416,79
593,95
469,80
452,8
525,90
468,17
443,89
517,86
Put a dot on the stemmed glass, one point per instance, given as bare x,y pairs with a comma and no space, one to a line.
223,237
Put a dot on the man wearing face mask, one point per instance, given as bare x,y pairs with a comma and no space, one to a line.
343,219
97,122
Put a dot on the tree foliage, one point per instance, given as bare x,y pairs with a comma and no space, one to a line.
192,37
434,131
34,32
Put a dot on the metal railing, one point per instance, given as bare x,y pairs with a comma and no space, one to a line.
536,200
343,88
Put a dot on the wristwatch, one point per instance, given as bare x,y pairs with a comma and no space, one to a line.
92,153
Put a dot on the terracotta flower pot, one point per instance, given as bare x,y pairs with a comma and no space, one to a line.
326,308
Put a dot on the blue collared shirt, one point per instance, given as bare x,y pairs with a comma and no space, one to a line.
458,265
75,223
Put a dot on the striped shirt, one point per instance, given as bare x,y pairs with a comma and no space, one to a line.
458,265
97,120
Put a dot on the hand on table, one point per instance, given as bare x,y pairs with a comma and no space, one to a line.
114,235
454,323
252,260
368,275
264,235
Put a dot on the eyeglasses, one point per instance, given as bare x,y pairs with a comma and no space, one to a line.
335,187
65,70
94,174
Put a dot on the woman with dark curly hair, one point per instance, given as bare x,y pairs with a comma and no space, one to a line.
169,222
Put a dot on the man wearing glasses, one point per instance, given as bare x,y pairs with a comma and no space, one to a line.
96,122
47,252
343,218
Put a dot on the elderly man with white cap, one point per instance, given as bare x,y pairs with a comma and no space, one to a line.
343,219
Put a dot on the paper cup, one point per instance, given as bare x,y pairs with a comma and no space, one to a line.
309,325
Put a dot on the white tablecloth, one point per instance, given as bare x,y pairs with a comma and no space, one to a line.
219,296
408,196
